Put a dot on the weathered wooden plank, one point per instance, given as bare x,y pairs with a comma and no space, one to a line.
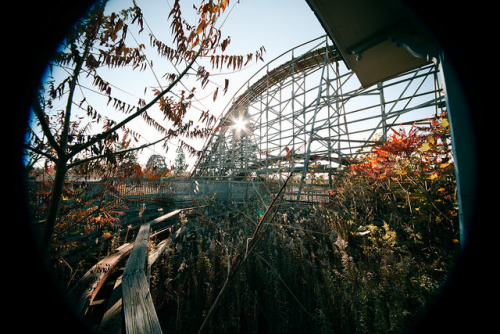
168,215
139,312
112,319
138,308
162,246
136,260
139,305
84,291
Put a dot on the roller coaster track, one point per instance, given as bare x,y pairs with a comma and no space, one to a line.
301,64
311,111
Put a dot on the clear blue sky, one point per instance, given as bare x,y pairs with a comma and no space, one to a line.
278,25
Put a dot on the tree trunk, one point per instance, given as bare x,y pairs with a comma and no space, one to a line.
55,202
61,164
64,156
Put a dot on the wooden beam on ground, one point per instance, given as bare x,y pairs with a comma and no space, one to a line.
136,296
138,308
112,320
83,293
162,247
168,215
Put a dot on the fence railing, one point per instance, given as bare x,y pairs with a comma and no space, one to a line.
181,191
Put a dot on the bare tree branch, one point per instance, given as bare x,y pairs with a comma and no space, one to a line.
36,150
79,162
45,126
104,134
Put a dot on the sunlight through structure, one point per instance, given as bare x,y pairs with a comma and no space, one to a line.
311,112
240,124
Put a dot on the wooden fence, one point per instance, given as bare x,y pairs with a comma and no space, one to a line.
191,189
182,191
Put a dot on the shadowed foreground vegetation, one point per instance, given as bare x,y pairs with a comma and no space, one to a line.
369,261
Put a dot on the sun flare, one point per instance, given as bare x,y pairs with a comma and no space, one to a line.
240,124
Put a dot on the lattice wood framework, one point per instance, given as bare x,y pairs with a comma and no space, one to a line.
311,112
